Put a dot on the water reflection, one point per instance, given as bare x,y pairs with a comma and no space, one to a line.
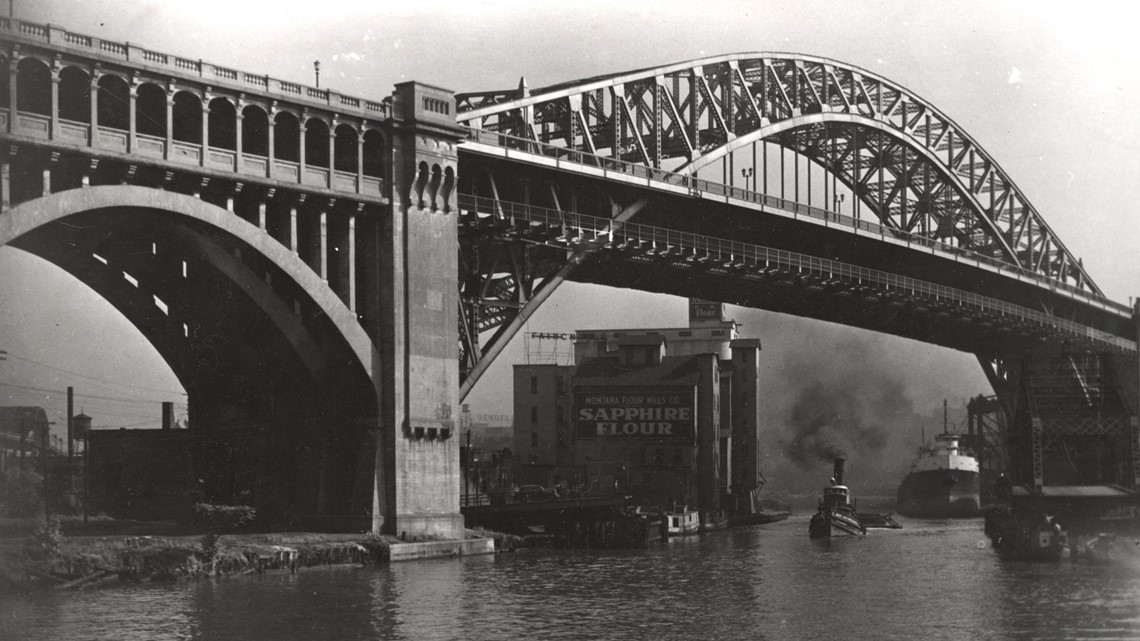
930,580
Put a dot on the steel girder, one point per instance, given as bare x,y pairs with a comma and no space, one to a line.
912,167
1070,417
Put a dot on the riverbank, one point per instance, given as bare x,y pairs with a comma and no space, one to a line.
45,559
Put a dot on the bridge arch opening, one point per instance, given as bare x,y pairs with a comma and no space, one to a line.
374,153
316,143
286,137
222,124
74,95
255,131
225,308
33,86
346,151
187,118
113,102
150,110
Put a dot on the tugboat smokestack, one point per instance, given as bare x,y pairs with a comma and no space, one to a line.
839,470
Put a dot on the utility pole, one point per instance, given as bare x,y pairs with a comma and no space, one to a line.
43,461
70,414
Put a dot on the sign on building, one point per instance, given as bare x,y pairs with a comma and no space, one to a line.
637,412
703,310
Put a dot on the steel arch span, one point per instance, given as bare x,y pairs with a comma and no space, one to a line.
261,345
909,165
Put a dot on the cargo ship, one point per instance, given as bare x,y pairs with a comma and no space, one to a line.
943,481
835,515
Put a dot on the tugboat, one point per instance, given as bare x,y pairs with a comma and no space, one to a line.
836,515
943,481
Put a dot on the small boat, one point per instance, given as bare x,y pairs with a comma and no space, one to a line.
943,481
682,522
836,514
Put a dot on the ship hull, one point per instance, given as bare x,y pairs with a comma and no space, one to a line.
940,494
828,523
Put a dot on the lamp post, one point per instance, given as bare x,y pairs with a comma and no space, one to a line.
748,172
839,201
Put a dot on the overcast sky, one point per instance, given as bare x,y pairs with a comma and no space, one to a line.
1049,89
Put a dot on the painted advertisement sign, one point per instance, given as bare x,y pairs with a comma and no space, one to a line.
703,310
643,413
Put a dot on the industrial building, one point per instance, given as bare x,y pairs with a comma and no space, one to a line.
669,416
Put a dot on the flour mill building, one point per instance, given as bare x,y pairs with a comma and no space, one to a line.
667,416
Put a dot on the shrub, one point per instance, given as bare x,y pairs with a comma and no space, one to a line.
21,493
222,517
46,539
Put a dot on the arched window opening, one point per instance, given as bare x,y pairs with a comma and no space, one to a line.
223,124
33,87
254,131
150,111
187,118
373,154
74,94
447,189
113,104
287,137
433,188
316,143
421,182
345,148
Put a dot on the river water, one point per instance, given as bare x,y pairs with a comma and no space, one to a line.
930,580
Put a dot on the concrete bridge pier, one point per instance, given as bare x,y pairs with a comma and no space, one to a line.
417,455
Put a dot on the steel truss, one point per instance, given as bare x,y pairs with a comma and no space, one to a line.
1071,417
910,166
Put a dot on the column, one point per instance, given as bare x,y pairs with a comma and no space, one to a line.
269,116
5,184
293,228
238,147
93,129
351,258
169,146
13,74
332,151
132,127
301,129
261,206
323,245
360,159
205,130
53,115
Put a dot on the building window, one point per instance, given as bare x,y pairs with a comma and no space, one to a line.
533,384
534,415
534,439
684,333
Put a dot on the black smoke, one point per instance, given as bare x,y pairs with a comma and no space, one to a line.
828,421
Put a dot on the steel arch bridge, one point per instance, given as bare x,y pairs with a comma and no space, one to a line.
628,180
910,165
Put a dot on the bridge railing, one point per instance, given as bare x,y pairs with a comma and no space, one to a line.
179,66
579,229
698,186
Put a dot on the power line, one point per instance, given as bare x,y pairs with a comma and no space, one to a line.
103,381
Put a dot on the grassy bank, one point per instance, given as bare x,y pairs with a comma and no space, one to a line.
46,559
